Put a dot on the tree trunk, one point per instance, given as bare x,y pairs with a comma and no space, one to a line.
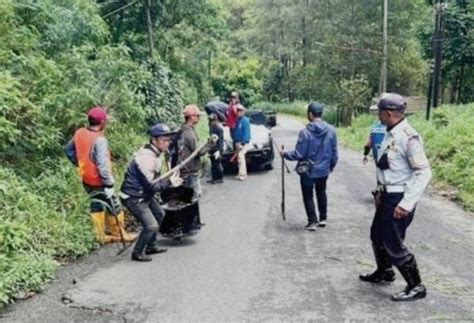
459,98
303,26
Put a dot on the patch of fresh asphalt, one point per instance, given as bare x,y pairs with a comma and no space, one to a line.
247,264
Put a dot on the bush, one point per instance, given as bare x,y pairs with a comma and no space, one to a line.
449,143
43,221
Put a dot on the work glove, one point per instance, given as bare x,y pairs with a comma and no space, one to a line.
109,192
115,206
175,180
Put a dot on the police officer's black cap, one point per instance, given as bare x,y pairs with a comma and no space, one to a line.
392,101
316,108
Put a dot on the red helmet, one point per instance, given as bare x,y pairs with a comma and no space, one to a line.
97,114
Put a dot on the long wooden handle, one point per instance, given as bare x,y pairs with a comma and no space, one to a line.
283,160
180,165
283,215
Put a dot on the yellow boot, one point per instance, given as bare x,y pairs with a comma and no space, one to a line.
115,228
98,223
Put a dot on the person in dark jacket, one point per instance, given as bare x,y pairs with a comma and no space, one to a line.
241,139
139,187
317,143
215,153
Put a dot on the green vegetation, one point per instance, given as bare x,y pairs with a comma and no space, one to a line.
449,142
298,109
43,223
58,58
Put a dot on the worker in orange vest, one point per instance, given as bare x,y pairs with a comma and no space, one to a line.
88,150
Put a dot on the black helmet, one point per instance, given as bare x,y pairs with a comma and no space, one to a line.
160,129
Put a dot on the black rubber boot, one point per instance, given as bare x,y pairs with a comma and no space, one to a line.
415,289
384,272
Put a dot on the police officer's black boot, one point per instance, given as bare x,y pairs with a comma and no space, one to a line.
415,289
384,272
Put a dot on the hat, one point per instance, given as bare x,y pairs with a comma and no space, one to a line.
392,101
213,117
240,107
234,94
160,129
191,110
97,114
315,108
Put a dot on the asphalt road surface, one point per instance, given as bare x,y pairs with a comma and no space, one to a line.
247,264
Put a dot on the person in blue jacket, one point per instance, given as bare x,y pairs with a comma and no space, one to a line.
241,136
316,143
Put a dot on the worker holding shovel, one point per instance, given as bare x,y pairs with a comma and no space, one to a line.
142,180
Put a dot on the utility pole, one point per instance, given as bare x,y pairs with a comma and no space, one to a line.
150,29
383,70
352,41
438,51
430,95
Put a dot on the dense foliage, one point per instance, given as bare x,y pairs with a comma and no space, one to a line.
58,58
331,51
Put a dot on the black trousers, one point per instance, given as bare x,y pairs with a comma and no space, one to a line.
150,214
388,233
217,171
307,187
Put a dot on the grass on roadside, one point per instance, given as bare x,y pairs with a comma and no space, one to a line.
43,223
298,109
44,220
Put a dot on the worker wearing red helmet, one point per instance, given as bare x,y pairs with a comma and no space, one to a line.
89,151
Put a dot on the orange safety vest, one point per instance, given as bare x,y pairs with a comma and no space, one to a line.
84,140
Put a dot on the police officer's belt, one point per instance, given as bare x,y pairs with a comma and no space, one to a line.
391,188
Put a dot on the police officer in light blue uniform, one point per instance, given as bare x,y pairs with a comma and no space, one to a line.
403,173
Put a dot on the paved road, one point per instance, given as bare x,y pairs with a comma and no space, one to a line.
249,265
